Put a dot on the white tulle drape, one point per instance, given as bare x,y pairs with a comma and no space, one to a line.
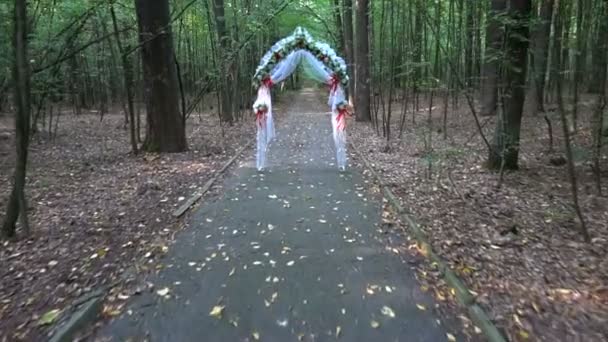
317,71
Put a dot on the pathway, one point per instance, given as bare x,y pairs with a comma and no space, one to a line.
292,254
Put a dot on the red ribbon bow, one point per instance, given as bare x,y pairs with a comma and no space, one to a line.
334,81
341,119
260,117
267,82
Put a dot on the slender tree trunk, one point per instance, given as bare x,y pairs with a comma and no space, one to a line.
362,99
494,38
17,205
540,42
128,80
166,131
566,131
348,45
599,52
505,152
224,44
599,120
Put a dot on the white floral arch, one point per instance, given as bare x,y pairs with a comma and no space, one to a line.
323,65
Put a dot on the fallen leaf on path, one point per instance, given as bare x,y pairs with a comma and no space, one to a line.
256,335
217,311
290,263
163,292
387,311
49,317
375,324
338,331
451,337
421,307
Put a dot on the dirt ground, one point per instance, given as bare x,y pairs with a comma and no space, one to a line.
518,247
99,214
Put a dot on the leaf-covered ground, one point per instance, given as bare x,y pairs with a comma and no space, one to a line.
99,215
518,246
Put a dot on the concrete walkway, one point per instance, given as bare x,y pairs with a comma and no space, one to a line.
294,254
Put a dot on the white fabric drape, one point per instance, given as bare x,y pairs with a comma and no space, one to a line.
318,71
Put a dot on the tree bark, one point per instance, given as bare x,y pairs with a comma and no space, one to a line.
362,74
494,37
600,54
348,44
224,44
17,206
339,25
540,43
166,131
128,81
505,151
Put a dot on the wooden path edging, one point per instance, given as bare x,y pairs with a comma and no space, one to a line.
463,295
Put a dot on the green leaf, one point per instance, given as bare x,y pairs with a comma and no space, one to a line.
49,317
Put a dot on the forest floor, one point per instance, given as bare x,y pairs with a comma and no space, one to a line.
518,247
98,213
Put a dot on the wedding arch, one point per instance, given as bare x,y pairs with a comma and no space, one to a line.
322,64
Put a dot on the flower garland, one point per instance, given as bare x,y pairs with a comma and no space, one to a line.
300,39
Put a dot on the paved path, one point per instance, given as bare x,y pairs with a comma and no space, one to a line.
295,254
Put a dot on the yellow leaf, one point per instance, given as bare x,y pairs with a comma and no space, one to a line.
524,334
217,311
517,321
451,337
421,307
375,324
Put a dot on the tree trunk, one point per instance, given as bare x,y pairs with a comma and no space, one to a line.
540,42
362,98
166,131
17,205
494,37
339,26
468,52
348,44
128,81
600,54
505,150
224,41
